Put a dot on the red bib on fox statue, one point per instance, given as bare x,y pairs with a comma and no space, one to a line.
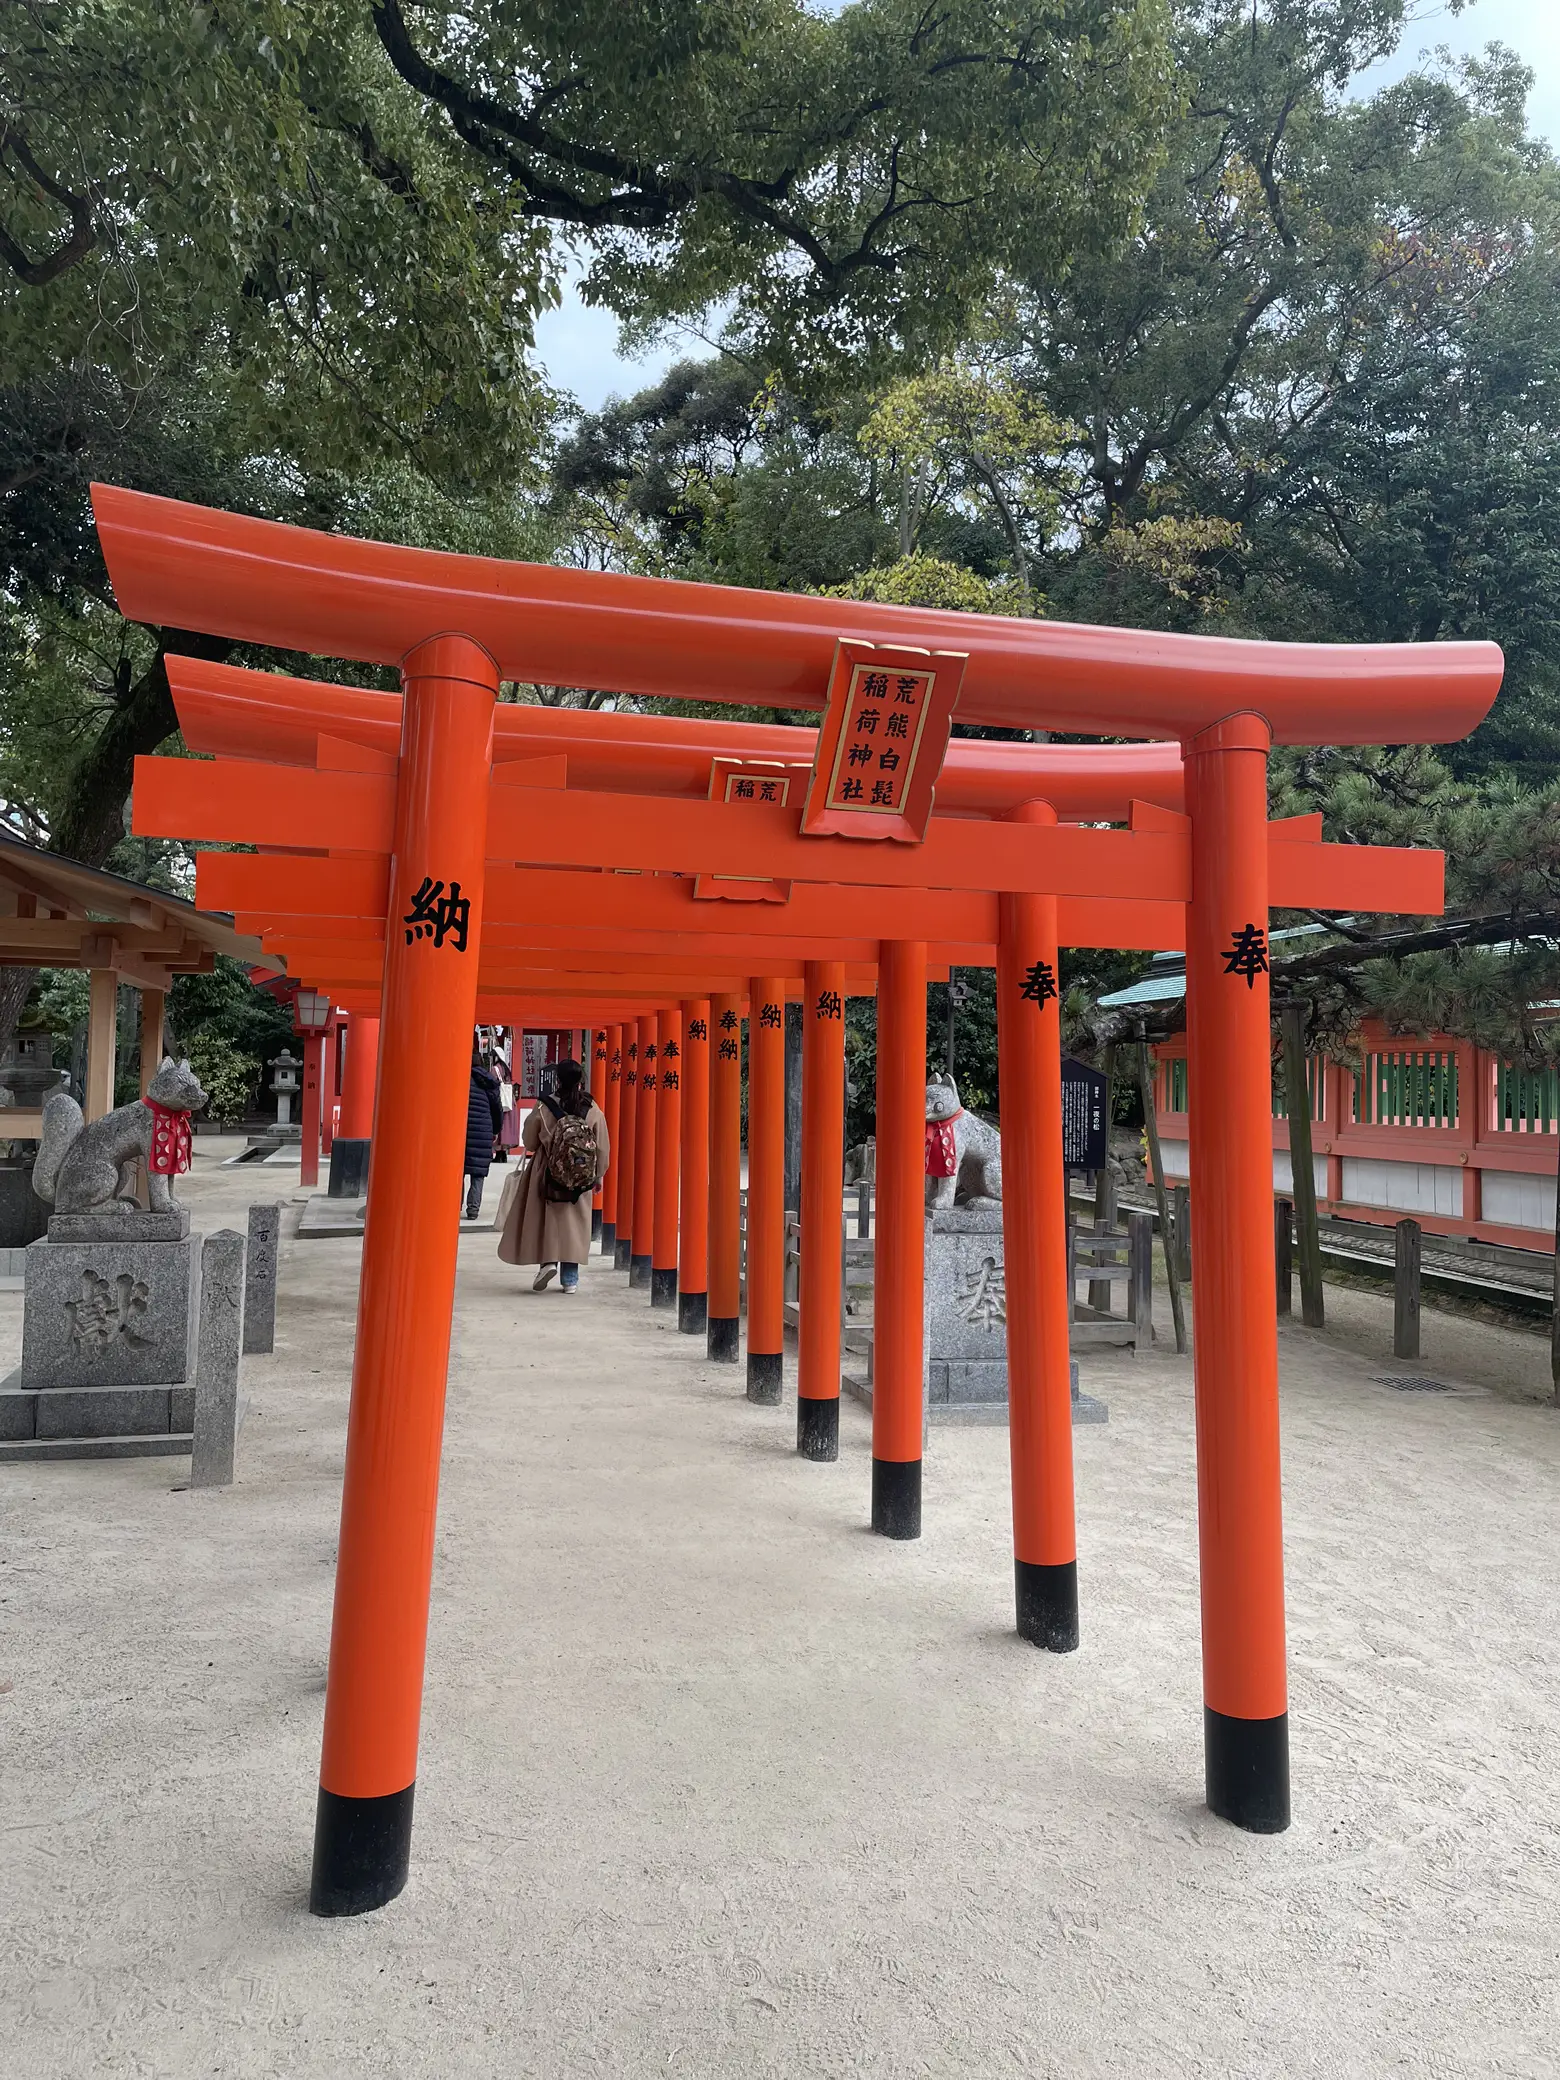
941,1154
170,1151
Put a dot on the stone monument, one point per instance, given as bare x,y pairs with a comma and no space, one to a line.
111,1306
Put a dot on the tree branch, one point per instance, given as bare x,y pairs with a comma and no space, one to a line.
83,233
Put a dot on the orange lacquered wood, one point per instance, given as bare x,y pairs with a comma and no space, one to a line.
645,1136
694,1213
668,1141
626,1148
598,1091
899,1262
1229,1061
766,1168
357,1090
725,1274
186,566
406,1291
1034,1233
611,1108
823,1173
235,712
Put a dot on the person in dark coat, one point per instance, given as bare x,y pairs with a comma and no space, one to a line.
484,1123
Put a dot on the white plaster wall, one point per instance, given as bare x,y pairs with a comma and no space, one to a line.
1284,1176
1403,1187
1519,1201
1174,1156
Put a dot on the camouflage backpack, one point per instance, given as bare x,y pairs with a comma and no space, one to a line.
571,1156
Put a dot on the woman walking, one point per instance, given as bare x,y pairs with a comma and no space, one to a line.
484,1119
549,1222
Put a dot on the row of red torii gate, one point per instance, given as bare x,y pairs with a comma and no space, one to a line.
436,857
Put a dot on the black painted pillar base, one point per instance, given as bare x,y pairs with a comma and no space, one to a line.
764,1373
348,1169
609,1239
692,1312
1048,1604
896,1498
723,1338
639,1269
595,1223
818,1428
663,1286
362,1851
1247,1770
621,1252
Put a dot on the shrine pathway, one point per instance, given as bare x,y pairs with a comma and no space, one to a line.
714,1783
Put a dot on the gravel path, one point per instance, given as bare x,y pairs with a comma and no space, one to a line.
714,1783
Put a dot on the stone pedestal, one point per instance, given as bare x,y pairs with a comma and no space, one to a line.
348,1169
109,1322
966,1320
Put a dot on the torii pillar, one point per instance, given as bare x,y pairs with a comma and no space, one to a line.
611,1106
1229,1067
395,1424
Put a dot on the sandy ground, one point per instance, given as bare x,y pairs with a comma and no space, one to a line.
714,1783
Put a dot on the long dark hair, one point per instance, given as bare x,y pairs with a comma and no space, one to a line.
569,1083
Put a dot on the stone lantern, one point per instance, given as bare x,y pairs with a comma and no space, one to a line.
284,1082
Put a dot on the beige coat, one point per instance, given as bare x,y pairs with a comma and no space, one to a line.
549,1231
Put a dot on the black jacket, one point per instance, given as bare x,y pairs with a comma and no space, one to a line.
484,1119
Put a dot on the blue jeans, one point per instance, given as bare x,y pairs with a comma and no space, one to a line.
569,1277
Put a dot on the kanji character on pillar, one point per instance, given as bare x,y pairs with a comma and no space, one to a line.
1039,984
828,1005
1247,954
438,916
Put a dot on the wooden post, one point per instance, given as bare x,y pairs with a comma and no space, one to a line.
1229,1036
358,1082
1035,1243
1161,1199
313,1045
1283,1268
1104,1223
1405,1290
822,1213
626,1148
693,1230
722,1339
766,1189
611,1105
1302,1171
1181,1226
642,1260
668,1160
395,1421
1140,1281
154,1014
898,1387
596,1041
102,1042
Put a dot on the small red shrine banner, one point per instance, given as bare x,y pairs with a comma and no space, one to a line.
941,1156
170,1151
883,741
756,783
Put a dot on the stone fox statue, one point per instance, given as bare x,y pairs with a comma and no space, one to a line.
86,1168
963,1154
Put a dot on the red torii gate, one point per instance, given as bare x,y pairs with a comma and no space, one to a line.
1226,701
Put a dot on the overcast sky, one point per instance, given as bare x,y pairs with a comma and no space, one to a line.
578,347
